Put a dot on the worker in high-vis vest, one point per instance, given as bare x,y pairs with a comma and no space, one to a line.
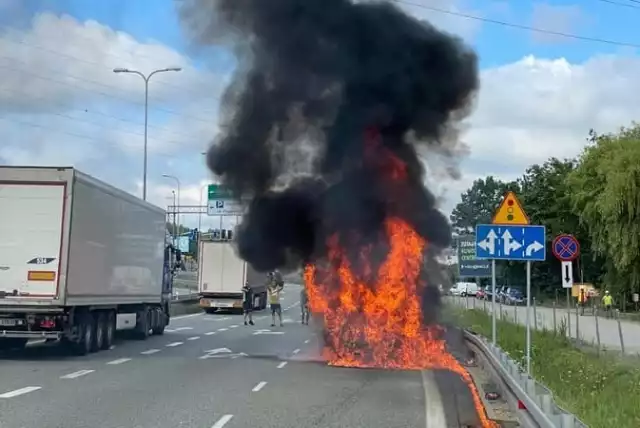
607,303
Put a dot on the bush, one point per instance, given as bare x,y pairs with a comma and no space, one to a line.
601,391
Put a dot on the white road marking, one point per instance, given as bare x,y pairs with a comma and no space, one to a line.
150,351
174,344
169,330
307,341
433,409
77,374
234,326
222,421
223,329
282,364
36,342
21,391
194,338
186,316
211,333
183,328
118,361
112,347
295,351
259,386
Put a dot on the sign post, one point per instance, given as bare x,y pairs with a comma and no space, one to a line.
566,248
511,237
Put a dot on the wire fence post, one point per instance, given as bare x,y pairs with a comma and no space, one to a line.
555,325
595,314
535,315
620,330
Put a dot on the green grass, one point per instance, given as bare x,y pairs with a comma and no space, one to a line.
601,391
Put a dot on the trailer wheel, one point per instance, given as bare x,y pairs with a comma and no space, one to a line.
100,332
84,343
110,330
143,323
160,323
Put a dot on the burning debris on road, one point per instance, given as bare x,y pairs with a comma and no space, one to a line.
363,85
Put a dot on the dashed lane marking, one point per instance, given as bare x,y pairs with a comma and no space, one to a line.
21,391
222,421
118,361
233,326
174,344
194,338
295,351
282,364
77,374
259,386
150,351
183,328
307,341
223,329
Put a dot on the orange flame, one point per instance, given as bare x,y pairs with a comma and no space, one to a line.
380,324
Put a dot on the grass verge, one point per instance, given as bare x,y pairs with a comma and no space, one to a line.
601,391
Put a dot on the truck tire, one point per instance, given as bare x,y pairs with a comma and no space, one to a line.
110,330
100,325
84,342
143,324
160,322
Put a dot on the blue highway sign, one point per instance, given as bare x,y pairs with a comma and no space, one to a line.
526,243
468,265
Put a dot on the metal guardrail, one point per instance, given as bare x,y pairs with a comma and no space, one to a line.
540,407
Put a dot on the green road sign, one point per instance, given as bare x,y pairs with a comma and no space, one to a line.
216,191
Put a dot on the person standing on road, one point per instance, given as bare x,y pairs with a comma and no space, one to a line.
304,305
247,303
274,301
607,302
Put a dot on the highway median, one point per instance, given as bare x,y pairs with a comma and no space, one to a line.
600,389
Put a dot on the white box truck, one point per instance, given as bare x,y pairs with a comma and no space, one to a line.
221,276
79,259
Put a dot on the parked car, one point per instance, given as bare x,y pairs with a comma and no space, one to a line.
482,293
514,296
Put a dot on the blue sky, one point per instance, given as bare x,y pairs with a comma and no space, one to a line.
183,112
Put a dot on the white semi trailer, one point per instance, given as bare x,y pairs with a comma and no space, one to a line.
79,259
221,276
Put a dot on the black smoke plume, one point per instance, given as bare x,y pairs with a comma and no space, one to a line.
361,83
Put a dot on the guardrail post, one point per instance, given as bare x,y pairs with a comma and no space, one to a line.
555,325
578,323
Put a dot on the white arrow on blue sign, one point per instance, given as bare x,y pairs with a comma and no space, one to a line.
498,242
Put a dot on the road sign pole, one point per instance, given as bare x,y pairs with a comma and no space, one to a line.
493,301
528,350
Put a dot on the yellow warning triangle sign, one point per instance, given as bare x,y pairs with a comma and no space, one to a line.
510,211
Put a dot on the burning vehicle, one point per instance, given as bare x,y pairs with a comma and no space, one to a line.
352,91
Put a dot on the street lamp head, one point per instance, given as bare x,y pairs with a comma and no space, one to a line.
166,176
120,70
173,69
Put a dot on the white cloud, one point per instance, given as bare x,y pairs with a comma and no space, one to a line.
62,104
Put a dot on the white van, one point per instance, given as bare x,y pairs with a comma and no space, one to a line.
464,289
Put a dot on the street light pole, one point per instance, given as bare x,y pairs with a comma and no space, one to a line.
176,207
146,114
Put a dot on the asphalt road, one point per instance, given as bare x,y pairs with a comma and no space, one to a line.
211,371
583,327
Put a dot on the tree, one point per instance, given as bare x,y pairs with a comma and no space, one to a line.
479,203
546,197
605,194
